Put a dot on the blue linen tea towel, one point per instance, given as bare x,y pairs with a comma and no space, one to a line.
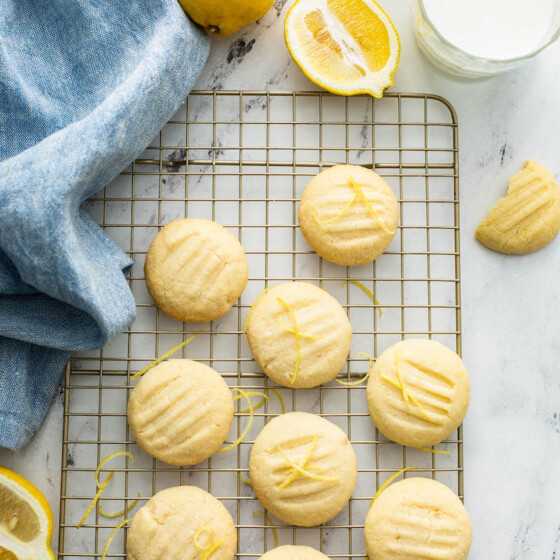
84,87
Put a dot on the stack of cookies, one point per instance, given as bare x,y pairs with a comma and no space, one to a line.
303,468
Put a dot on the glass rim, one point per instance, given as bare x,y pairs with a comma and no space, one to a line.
448,43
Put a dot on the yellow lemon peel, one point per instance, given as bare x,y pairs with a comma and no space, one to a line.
300,468
209,549
360,193
95,499
112,536
331,220
269,521
407,395
108,458
388,481
298,334
251,394
165,356
354,383
247,428
118,513
280,399
245,480
367,291
437,451
244,332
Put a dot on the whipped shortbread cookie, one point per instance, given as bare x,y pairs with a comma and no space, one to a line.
180,412
195,270
181,523
417,518
299,334
303,469
348,214
418,392
528,217
289,552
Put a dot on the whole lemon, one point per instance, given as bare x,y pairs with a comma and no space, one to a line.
224,17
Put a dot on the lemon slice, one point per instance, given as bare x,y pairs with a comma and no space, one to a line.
344,46
26,521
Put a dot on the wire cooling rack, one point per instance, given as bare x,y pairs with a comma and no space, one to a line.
243,159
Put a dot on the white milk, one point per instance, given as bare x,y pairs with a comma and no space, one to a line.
497,29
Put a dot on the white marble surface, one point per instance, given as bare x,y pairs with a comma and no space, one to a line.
510,304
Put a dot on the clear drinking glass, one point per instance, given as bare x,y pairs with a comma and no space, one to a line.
453,60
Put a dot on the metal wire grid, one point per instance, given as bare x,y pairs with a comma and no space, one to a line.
243,159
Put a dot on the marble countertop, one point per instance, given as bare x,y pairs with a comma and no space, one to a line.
510,304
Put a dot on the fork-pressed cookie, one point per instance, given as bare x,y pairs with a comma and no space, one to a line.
348,214
417,518
418,392
303,469
180,412
299,334
528,217
182,523
195,270
292,552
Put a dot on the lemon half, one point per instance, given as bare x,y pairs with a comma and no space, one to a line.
26,521
345,46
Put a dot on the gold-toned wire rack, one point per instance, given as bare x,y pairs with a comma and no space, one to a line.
243,159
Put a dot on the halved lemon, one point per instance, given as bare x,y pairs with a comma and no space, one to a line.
345,46
26,521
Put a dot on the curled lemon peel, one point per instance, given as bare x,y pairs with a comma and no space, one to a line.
302,335
212,548
109,458
367,291
112,536
329,221
244,332
280,399
360,193
269,521
252,394
245,480
437,451
165,356
199,532
407,395
298,334
354,383
247,427
388,481
300,468
95,499
118,513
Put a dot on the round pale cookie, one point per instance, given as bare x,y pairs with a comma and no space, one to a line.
195,270
289,552
181,523
417,518
324,339
339,224
418,392
180,412
326,475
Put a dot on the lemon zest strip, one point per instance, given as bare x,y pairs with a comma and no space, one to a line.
247,427
302,335
367,291
118,513
302,463
108,458
270,522
112,536
211,549
354,383
388,481
252,393
199,532
434,451
279,398
244,332
166,355
358,189
325,222
245,480
95,499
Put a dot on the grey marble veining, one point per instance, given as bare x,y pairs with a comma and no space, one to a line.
510,304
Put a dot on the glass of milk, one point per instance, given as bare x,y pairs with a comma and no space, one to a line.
478,38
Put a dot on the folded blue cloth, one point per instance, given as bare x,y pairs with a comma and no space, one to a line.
84,87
